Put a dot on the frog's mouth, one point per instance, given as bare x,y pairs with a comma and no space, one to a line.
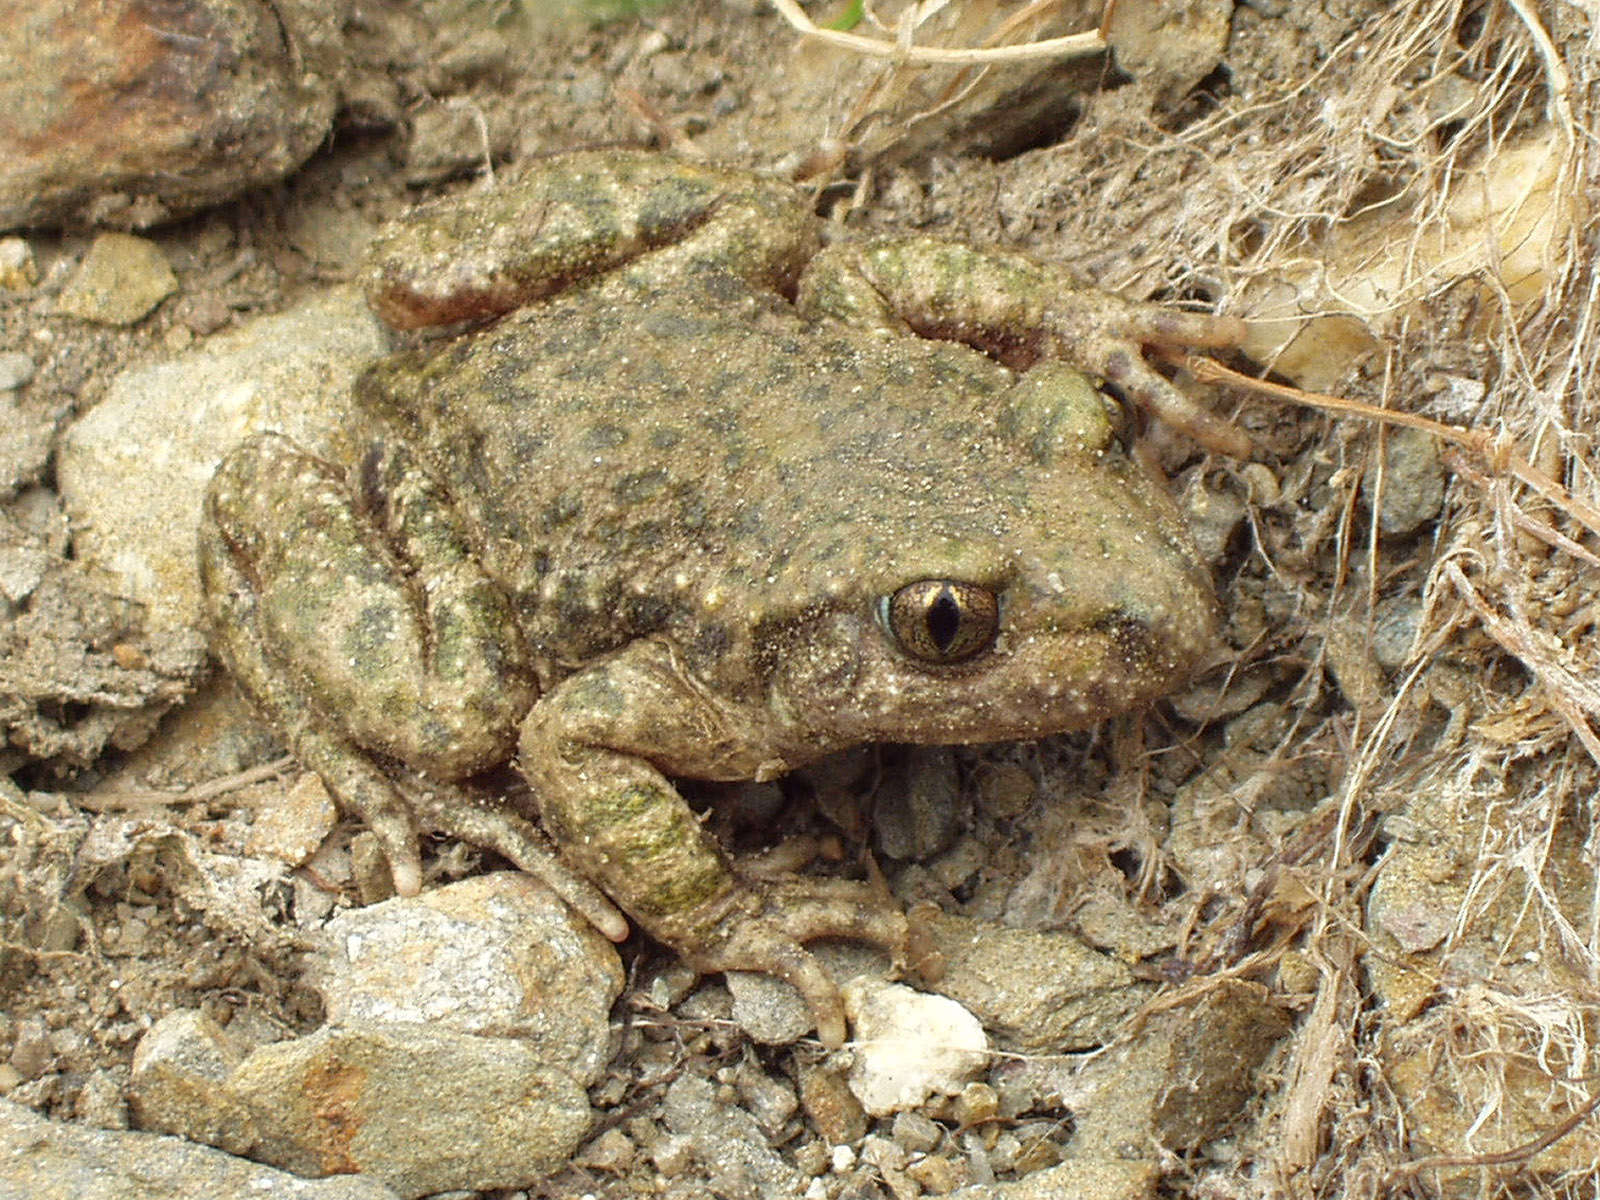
1034,685
1045,673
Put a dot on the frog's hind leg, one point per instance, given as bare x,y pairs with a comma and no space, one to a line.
597,750
576,217
357,785
353,614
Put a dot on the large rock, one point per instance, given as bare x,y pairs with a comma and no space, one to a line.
497,956
44,1160
128,113
464,1025
423,1109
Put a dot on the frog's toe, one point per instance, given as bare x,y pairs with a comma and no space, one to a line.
1128,371
1171,327
840,908
769,931
760,947
474,819
405,862
359,787
799,967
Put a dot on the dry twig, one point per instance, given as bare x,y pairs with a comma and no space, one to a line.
1077,45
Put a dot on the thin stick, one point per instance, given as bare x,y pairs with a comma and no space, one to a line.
1076,45
1491,449
125,801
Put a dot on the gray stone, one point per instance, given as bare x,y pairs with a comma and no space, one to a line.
1183,1077
1413,482
769,1009
16,369
727,1142
497,956
1070,997
26,436
917,810
44,1160
22,569
133,471
404,1084
119,282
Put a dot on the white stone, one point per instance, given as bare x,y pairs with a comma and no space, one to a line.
909,1046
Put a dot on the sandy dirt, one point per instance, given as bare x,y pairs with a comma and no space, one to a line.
1407,627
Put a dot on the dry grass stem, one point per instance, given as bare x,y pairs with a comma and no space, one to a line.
903,51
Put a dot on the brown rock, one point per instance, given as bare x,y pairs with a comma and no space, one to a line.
422,1109
131,112
56,1160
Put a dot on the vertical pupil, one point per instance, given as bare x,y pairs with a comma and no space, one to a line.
944,619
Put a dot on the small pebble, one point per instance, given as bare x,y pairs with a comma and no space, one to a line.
916,1132
937,1175
976,1103
18,271
16,369
909,1046
119,282
611,1151
293,822
813,1158
883,1153
834,1111
771,1101
32,1053
1413,482
672,1156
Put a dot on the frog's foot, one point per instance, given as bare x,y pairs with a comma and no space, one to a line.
488,821
394,811
397,807
1019,311
768,925
1105,336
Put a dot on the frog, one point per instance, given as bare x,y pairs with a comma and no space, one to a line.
682,493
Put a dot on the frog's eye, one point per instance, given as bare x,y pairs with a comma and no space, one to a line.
942,620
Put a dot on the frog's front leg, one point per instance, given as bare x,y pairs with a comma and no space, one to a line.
1020,310
597,750
348,605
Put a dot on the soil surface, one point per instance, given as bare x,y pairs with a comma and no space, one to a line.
1229,837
